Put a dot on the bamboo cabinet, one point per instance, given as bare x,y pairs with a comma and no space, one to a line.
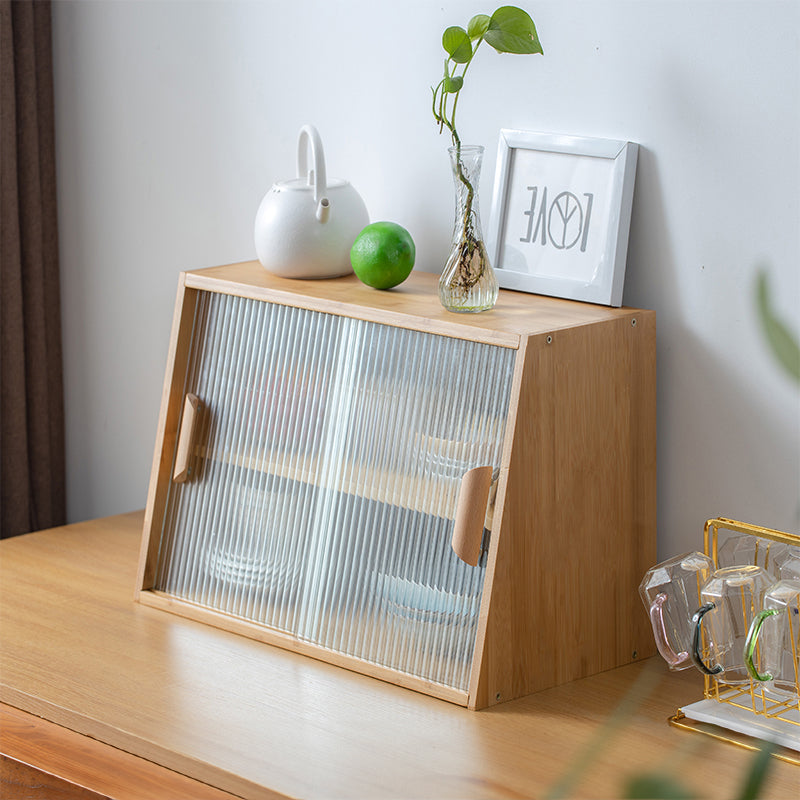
463,505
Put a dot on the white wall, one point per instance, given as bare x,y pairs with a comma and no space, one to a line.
174,118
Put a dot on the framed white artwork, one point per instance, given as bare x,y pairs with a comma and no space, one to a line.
561,211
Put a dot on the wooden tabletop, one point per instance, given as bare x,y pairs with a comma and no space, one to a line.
256,721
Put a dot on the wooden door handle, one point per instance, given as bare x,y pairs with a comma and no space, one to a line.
473,497
192,406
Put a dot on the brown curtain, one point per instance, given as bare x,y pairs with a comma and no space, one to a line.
32,482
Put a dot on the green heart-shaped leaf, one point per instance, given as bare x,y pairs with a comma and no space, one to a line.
457,44
511,30
477,26
453,84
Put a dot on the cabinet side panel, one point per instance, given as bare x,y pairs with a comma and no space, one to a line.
578,527
642,542
166,436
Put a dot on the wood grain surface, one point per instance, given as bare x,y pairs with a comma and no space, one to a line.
414,304
69,766
578,519
18,781
260,722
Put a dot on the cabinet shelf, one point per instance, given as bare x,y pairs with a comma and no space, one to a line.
433,491
356,445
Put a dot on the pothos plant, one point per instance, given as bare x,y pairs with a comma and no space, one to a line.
508,30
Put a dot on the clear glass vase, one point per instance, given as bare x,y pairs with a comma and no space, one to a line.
467,283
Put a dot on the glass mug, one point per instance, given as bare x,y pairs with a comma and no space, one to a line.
671,593
779,559
788,566
730,601
774,639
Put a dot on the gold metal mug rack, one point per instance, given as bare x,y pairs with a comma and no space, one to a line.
751,697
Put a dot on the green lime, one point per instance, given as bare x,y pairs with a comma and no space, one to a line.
383,255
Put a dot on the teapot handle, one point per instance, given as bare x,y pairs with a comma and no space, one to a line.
310,137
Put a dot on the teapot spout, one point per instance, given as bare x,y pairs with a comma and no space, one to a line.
323,210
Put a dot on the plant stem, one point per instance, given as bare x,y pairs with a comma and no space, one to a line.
456,139
472,256
457,142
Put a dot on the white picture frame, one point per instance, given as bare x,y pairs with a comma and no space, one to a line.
560,215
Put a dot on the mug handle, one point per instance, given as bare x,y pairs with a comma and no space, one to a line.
697,620
752,640
660,633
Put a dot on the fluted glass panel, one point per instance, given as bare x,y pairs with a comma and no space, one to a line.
325,481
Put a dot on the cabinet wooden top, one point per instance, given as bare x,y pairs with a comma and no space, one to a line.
414,304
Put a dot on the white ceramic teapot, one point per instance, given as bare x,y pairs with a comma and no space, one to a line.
306,226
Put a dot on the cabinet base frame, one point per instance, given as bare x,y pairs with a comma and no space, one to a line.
218,619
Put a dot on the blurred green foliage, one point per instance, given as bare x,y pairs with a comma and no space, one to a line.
782,342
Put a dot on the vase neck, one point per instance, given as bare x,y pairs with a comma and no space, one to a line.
470,156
